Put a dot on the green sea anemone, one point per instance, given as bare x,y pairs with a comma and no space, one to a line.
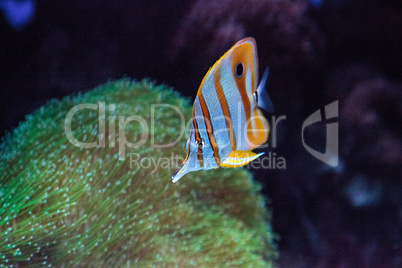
68,206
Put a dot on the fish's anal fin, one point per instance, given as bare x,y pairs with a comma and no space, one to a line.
263,100
239,159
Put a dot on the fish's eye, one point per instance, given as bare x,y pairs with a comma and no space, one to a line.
239,70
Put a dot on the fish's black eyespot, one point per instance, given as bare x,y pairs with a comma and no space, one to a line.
239,70
200,144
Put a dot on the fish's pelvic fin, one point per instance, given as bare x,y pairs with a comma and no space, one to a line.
180,172
263,100
239,159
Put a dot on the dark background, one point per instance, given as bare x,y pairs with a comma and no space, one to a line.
318,52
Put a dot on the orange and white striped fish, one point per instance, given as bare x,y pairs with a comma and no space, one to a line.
226,122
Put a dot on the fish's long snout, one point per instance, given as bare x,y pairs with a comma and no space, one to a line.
183,170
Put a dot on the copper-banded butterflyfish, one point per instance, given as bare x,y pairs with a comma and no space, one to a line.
227,123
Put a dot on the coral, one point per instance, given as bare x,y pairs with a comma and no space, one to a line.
361,201
61,205
281,28
371,112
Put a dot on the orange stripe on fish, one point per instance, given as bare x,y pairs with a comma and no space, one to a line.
258,134
244,59
225,107
241,87
210,130
198,139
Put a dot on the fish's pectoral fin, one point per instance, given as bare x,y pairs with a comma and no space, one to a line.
263,100
239,159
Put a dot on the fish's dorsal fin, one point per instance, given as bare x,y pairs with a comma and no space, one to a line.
239,159
262,98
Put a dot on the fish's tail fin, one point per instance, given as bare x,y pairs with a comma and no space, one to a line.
263,100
